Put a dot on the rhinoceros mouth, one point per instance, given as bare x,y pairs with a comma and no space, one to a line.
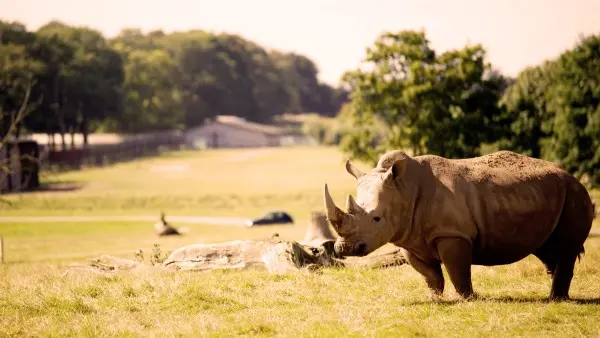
358,248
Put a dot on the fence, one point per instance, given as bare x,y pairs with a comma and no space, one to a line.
132,147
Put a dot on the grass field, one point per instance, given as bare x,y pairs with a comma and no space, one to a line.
220,183
38,297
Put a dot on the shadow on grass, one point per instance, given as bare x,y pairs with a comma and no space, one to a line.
62,186
510,299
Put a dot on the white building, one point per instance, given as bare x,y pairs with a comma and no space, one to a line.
233,132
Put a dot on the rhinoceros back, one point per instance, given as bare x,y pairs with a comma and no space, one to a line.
512,202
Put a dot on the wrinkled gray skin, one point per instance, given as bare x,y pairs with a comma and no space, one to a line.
490,210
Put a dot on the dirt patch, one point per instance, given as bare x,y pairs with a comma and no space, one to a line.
170,168
247,155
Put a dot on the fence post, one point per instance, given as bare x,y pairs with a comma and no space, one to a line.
1,250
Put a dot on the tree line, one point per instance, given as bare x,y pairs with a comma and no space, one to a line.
456,104
453,103
79,81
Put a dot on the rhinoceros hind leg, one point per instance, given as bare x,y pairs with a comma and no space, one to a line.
548,257
561,281
568,238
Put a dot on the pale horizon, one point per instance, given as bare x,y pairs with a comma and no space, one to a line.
335,33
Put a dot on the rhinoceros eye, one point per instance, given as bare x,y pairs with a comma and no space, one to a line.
376,218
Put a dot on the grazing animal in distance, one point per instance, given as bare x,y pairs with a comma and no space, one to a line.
162,228
490,210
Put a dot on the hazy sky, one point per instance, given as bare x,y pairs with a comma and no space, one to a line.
334,33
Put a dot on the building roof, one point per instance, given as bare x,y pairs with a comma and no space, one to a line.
237,122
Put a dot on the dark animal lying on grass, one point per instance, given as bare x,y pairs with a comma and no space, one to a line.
489,210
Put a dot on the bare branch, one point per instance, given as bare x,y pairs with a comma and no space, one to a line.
16,120
20,114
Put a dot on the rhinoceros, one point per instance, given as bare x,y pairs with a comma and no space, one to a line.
490,210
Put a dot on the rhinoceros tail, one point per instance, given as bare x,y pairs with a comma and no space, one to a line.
593,216
581,253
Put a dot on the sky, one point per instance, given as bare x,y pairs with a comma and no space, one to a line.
335,33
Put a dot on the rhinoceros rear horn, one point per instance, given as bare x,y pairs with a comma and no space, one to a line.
354,171
334,214
351,206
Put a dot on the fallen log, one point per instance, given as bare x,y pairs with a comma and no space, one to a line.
273,254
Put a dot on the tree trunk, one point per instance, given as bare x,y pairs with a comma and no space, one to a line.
84,131
63,140
3,125
83,125
18,131
58,111
72,132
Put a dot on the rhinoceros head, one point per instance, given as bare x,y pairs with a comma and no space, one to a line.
372,220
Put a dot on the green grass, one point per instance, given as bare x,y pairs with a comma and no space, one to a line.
51,242
220,183
39,298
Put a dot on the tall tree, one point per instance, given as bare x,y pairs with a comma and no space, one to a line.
526,103
300,75
140,82
92,89
17,76
152,100
21,67
555,110
575,139
441,104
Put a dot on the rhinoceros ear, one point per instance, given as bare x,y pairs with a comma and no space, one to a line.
354,171
397,170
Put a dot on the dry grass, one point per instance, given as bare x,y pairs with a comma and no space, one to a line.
38,297
43,300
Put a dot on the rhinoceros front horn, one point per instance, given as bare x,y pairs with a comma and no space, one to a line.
334,214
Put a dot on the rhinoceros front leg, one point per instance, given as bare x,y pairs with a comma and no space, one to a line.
432,271
457,255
